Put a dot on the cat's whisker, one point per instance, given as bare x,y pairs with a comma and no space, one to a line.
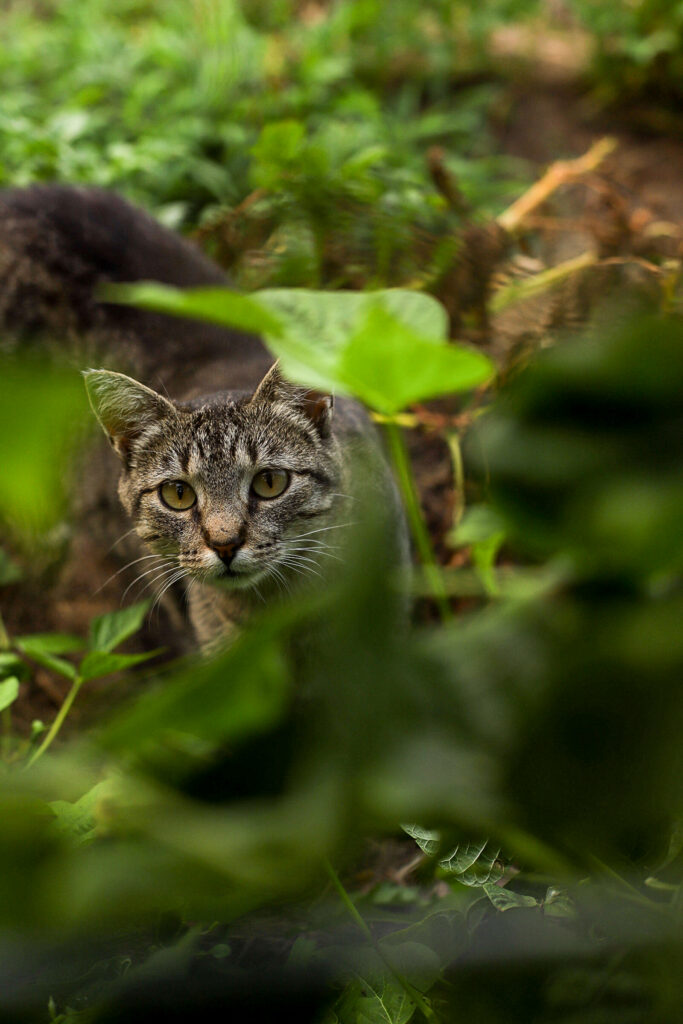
167,585
324,529
123,569
296,566
155,568
122,537
275,572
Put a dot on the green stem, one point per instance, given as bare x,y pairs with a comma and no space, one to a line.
4,637
409,989
453,441
58,722
6,733
423,544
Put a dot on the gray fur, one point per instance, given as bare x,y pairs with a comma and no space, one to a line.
232,549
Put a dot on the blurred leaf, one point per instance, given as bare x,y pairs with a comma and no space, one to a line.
242,691
217,305
50,643
10,572
9,691
506,899
102,663
109,630
46,659
12,665
484,531
78,819
42,411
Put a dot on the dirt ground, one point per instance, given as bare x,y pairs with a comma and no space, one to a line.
628,213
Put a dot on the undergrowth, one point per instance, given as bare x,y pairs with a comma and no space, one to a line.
204,849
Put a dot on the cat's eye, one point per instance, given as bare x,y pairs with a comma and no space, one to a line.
270,483
177,495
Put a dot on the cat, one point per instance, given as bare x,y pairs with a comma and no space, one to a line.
239,486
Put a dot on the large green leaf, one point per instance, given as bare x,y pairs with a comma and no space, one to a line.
387,348
389,365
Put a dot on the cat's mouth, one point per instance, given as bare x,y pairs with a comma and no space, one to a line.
235,579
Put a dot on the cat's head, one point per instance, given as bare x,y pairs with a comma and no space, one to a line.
236,488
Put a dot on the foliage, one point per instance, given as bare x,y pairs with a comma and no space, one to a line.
178,859
224,793
270,131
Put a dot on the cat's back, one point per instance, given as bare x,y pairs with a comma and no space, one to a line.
60,243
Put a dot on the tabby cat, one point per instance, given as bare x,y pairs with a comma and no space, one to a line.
238,485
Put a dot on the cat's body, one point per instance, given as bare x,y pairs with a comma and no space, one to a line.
237,484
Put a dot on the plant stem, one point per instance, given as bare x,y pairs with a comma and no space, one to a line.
58,722
453,442
4,637
423,544
409,989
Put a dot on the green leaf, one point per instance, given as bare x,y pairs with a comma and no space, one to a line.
505,899
51,643
387,348
9,691
473,863
328,318
380,1001
9,570
102,663
239,693
216,305
42,408
483,529
109,630
12,665
78,819
46,659
388,365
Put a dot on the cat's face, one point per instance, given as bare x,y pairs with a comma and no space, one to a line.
239,490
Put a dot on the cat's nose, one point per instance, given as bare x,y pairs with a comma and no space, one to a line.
227,550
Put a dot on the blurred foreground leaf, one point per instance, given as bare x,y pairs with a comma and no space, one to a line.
42,413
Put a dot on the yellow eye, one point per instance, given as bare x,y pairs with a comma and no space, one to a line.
270,483
177,495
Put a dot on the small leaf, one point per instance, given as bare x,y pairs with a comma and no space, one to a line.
109,630
12,665
78,819
505,899
51,643
9,691
103,663
46,659
475,864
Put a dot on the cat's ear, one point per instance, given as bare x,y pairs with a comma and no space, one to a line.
123,406
316,405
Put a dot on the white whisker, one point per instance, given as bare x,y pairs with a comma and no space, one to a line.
123,569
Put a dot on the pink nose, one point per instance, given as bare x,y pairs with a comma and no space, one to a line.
226,551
